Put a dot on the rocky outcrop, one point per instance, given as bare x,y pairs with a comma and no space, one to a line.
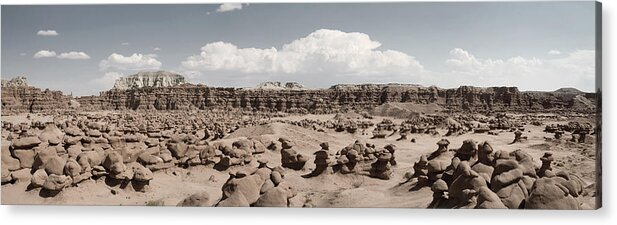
168,91
15,82
149,79
338,98
17,98
279,86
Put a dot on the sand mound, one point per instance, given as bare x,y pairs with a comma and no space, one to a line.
254,131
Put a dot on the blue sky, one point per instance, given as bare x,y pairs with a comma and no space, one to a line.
82,49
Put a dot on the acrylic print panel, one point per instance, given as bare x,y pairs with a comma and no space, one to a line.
413,105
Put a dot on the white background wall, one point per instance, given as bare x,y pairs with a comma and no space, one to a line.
92,215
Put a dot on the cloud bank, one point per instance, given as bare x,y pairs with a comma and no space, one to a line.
322,55
226,7
107,81
44,54
576,69
73,55
47,33
133,62
64,55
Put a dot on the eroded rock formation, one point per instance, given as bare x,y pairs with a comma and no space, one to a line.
19,97
168,91
149,79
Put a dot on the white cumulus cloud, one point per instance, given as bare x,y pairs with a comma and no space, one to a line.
576,69
226,7
133,62
554,52
73,55
44,54
322,54
107,80
47,33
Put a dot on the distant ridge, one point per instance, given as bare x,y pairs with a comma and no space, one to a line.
568,90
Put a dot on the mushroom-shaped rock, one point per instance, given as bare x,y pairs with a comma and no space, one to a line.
546,170
26,142
141,173
440,199
467,151
420,168
391,148
291,159
286,143
73,131
381,168
443,147
548,193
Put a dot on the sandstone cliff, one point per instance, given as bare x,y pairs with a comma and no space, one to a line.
168,91
22,99
335,99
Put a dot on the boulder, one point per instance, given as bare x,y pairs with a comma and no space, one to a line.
274,197
201,199
249,186
8,162
141,173
235,200
38,178
548,193
487,199
55,165
26,157
57,182
113,163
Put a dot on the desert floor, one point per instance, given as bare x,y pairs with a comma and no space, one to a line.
333,190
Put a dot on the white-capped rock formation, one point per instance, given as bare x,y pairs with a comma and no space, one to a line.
18,81
149,79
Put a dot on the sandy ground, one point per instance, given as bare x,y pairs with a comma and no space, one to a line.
171,186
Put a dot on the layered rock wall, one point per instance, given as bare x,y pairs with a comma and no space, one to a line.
20,99
335,99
